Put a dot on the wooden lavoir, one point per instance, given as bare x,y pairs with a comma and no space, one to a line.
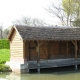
43,47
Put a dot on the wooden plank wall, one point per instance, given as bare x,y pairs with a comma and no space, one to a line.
32,51
55,49
44,50
62,47
51,49
26,54
16,46
78,52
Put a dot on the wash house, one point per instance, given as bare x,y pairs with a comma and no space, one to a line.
43,47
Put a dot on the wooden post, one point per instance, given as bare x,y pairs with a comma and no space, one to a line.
29,50
79,47
38,56
25,47
48,50
76,67
59,48
67,49
38,52
75,50
75,44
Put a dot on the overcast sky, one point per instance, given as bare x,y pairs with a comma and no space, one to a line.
11,10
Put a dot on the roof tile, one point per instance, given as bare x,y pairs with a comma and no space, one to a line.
48,33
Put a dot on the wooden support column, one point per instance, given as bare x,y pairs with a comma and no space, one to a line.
79,47
75,50
24,51
67,48
38,55
38,52
48,50
29,51
59,48
75,45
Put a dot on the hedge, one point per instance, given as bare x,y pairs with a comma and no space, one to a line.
4,44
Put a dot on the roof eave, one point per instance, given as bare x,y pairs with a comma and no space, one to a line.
10,33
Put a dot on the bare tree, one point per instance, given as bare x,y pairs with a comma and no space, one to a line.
5,33
22,21
30,21
58,12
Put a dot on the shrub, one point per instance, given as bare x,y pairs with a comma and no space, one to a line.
3,68
2,62
4,44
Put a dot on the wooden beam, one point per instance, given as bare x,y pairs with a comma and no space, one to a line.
67,48
38,52
29,51
73,42
78,47
40,43
75,50
37,43
75,45
59,47
48,50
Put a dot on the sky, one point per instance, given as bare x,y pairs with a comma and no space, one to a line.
11,10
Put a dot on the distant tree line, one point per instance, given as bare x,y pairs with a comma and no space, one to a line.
30,21
23,21
3,33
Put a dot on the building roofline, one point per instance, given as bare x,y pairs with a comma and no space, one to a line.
11,31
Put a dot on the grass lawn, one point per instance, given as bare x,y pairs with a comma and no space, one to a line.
4,55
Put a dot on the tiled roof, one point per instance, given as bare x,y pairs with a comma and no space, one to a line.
48,33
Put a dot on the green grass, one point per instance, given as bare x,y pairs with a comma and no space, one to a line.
4,55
